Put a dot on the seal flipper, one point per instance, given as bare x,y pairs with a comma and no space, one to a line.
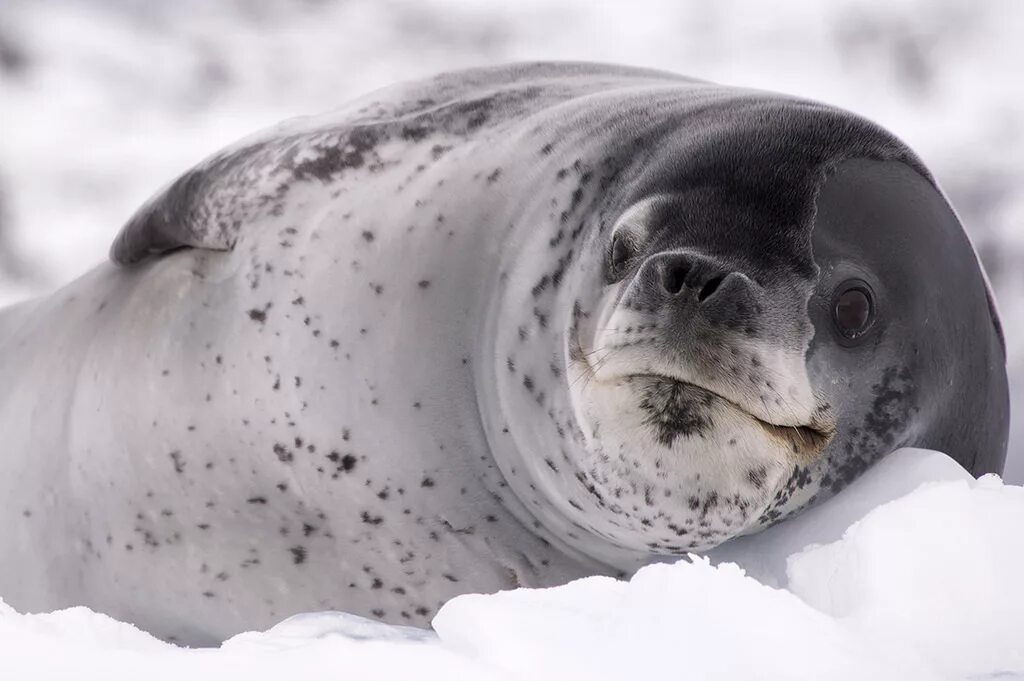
204,208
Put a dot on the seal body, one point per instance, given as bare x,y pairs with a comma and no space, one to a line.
504,327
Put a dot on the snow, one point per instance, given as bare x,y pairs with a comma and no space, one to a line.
910,573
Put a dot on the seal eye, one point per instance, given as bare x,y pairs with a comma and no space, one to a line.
854,309
620,254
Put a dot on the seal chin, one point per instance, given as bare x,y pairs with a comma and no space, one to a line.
808,439
680,463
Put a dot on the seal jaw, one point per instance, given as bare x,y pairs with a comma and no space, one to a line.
692,451
687,468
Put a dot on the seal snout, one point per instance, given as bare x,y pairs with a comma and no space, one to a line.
677,271
687,283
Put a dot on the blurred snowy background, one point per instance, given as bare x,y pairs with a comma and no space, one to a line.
104,101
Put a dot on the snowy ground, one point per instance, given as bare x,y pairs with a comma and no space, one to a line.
911,573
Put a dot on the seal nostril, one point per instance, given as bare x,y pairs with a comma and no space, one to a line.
709,288
673,277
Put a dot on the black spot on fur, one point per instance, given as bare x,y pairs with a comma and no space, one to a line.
336,158
757,476
674,409
179,464
283,454
371,519
883,428
344,463
415,133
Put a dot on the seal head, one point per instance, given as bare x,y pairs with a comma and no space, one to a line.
760,312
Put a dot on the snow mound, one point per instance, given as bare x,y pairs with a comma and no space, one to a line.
913,572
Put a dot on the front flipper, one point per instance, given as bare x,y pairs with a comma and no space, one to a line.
204,208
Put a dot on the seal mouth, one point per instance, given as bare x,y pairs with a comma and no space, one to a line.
809,439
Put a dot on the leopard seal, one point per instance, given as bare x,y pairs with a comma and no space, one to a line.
502,327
